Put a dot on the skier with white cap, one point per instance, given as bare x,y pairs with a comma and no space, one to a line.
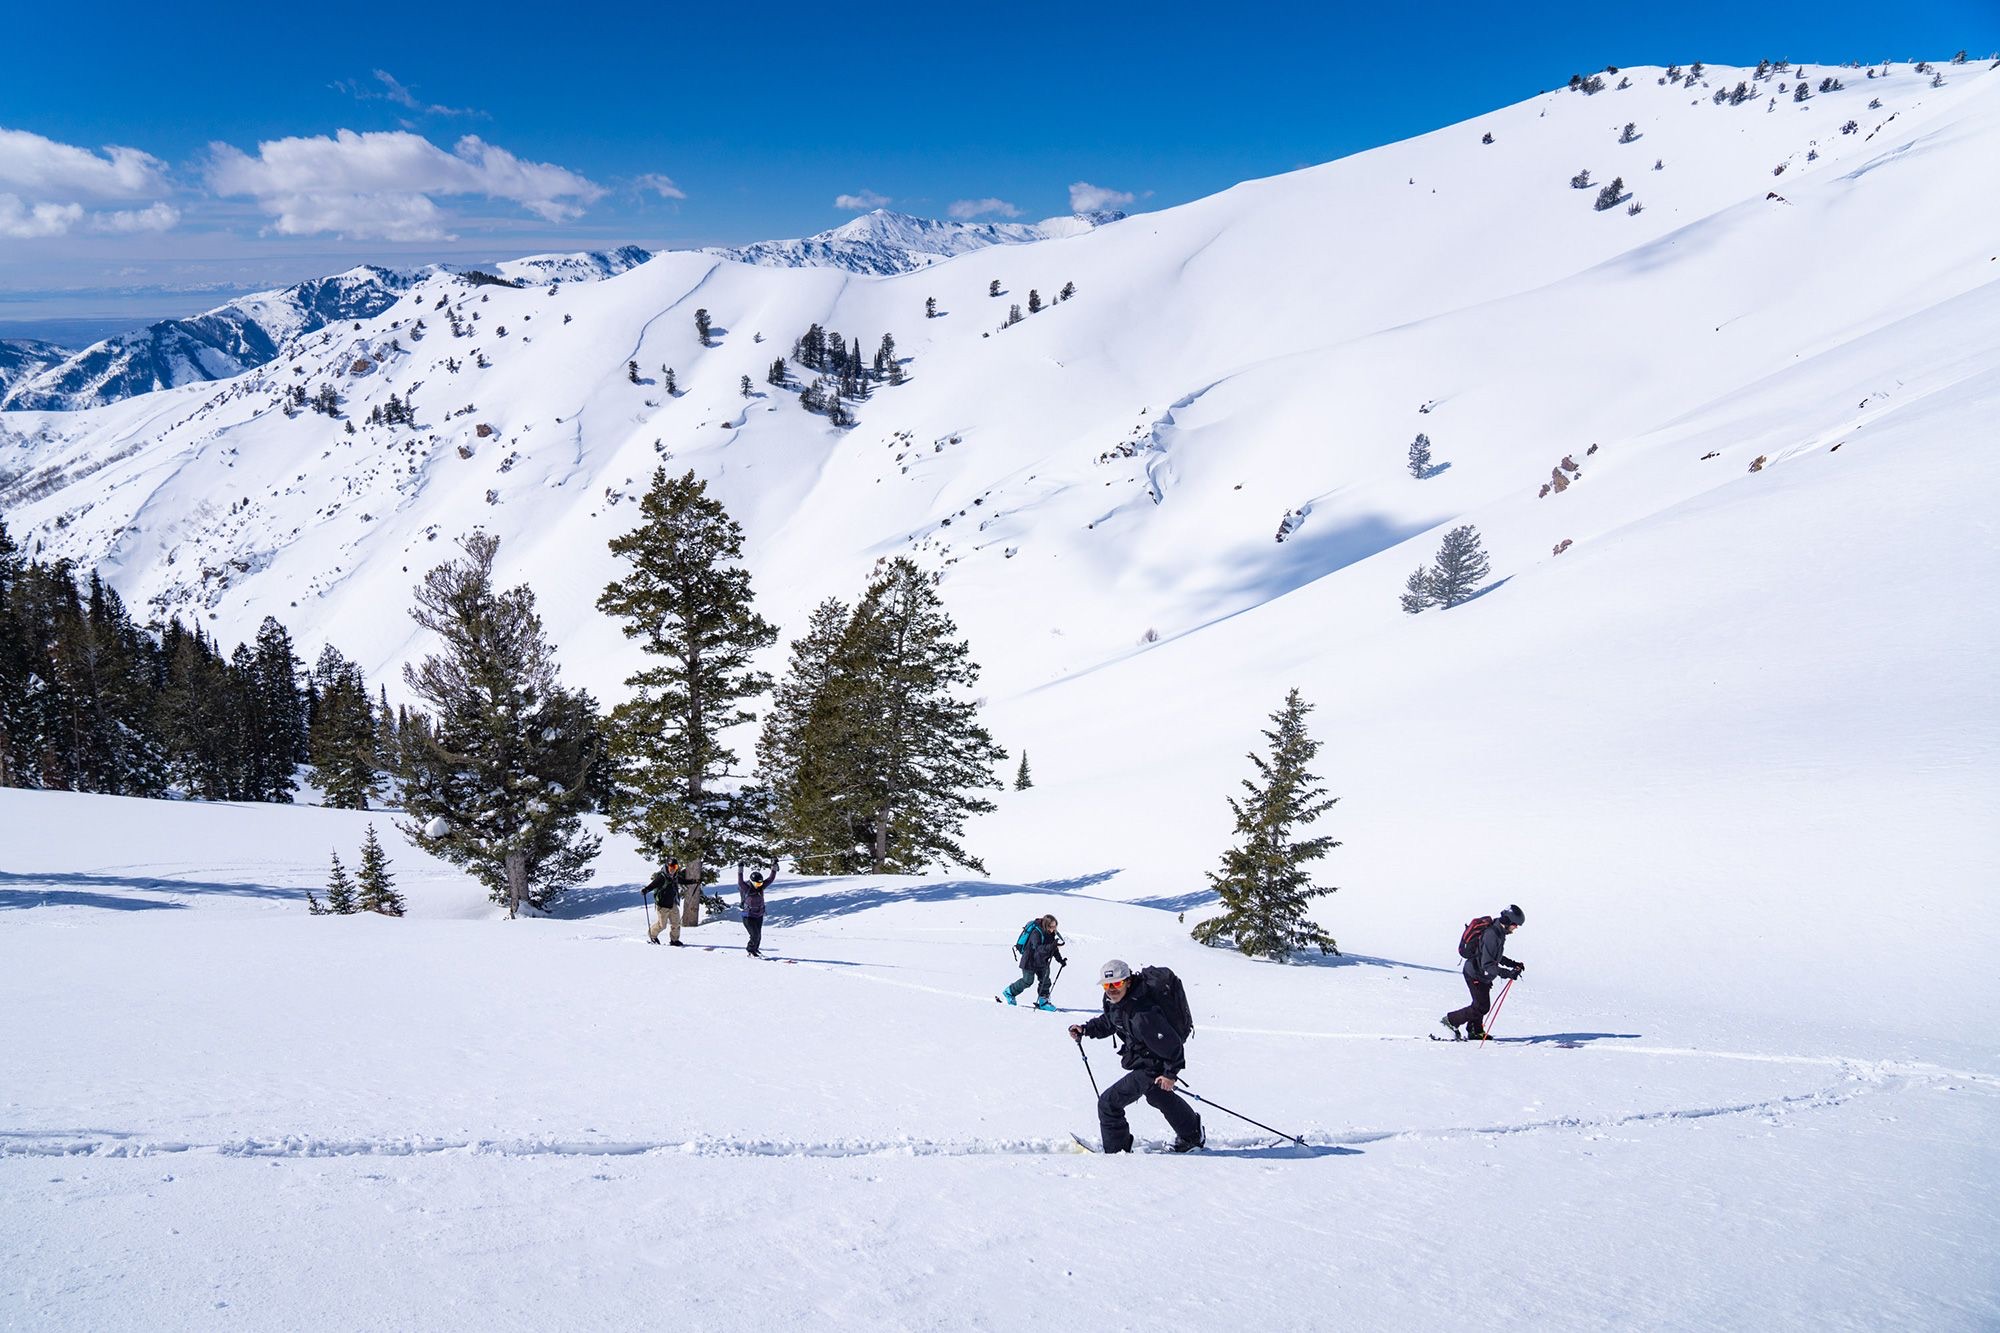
1147,1012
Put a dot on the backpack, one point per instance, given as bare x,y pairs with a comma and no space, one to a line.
1468,942
1172,997
1021,944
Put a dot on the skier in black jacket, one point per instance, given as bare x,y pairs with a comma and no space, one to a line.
1488,960
666,888
1150,1048
1037,946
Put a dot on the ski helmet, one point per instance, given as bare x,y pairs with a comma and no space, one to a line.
1513,916
1113,972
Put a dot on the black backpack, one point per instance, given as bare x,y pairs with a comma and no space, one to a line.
1172,998
1468,940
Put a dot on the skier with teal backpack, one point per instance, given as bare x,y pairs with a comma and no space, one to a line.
1036,945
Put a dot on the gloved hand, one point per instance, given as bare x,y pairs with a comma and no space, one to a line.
1075,1032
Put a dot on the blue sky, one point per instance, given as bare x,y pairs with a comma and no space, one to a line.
154,165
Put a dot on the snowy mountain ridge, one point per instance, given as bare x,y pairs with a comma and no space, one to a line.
882,242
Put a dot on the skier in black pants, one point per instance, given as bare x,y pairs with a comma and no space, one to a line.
1486,960
751,895
1153,1052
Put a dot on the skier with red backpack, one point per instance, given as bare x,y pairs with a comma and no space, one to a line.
1483,946
1147,1012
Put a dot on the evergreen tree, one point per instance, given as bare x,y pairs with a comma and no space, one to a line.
1420,457
1265,887
930,307
1034,301
702,326
776,374
343,743
15,707
1022,779
885,355
278,712
1610,195
745,386
688,603
339,889
993,287
667,376
1417,591
1068,290
1460,568
923,756
805,752
632,371
494,777
375,887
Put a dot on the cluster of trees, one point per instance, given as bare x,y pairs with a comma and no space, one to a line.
372,888
1453,577
397,411
92,701
869,758
843,376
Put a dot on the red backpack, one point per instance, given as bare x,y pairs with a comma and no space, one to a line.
1468,941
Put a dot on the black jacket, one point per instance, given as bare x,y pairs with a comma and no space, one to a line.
1040,948
1489,956
1147,1040
667,889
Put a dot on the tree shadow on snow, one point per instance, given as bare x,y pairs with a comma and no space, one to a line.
36,890
1568,1039
1074,882
1180,902
1361,960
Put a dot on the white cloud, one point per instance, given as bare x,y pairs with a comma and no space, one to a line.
394,90
45,185
44,169
23,221
1087,198
661,185
862,201
379,185
967,209
160,217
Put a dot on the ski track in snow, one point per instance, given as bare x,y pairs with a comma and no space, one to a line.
1862,1078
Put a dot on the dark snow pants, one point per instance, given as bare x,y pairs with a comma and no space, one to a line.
1474,1014
1037,977
1139,1083
755,925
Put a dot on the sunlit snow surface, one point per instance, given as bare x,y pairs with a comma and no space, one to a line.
1734,751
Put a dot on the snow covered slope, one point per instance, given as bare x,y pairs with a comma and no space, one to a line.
223,1111
881,242
22,359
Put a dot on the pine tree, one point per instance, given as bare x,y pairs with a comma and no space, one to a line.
494,777
1265,887
1034,301
667,376
1420,457
1022,779
1610,195
689,604
776,374
1417,590
885,355
339,889
702,326
993,287
342,743
1460,568
805,752
923,756
632,371
15,705
278,738
375,887
745,386
930,307
1068,290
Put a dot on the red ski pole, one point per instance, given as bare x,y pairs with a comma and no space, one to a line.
1494,1017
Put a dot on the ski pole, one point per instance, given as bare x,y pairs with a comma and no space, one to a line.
644,914
1182,1087
1087,1069
1487,1035
1058,977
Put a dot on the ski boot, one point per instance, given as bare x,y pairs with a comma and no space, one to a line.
1452,1028
1043,1004
1200,1140
1005,995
